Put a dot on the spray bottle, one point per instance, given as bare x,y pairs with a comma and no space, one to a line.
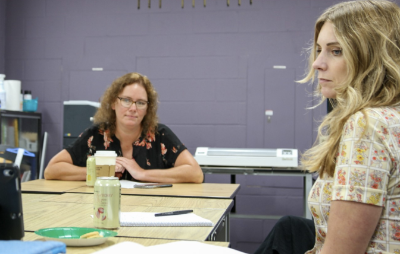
2,92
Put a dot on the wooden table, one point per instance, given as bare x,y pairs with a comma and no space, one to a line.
48,186
204,190
50,214
111,241
75,210
128,200
52,203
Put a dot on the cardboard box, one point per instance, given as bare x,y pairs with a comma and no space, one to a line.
105,170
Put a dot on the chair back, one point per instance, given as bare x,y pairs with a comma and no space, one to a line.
11,216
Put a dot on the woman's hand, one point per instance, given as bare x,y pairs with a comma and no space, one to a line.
119,170
133,168
186,170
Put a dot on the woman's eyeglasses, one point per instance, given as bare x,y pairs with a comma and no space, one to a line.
127,103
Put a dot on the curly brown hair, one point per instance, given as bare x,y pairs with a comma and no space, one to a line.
105,116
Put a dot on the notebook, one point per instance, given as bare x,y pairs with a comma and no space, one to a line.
140,219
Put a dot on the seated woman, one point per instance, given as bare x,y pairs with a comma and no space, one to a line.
127,123
355,202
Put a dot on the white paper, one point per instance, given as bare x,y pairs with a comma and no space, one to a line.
192,247
140,219
126,184
122,248
178,247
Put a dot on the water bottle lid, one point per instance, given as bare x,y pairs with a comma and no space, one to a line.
27,92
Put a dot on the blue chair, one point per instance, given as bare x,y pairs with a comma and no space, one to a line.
27,157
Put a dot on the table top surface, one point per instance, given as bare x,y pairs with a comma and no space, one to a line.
49,186
203,190
29,236
154,201
75,210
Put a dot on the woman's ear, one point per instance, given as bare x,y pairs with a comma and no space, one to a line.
113,105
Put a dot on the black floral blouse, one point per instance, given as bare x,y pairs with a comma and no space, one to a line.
155,151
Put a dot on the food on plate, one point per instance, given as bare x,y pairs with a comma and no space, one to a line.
94,234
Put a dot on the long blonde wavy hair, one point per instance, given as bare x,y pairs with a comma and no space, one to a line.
369,35
105,116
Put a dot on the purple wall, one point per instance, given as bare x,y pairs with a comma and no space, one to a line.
212,66
2,34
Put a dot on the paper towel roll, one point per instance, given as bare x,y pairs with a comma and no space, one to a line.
13,94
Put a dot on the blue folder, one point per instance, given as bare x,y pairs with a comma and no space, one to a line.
32,247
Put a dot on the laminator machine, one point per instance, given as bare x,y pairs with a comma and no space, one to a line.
242,158
251,161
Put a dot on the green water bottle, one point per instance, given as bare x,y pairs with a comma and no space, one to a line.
90,171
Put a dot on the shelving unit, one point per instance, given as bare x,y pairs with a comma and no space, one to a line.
23,130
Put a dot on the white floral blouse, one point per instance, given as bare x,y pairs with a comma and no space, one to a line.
367,171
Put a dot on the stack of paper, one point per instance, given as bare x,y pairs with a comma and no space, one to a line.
138,219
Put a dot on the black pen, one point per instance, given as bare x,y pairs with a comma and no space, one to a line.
173,213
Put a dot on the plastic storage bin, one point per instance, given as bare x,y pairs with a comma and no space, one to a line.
30,105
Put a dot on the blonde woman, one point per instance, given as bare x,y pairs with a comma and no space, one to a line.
127,123
355,202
